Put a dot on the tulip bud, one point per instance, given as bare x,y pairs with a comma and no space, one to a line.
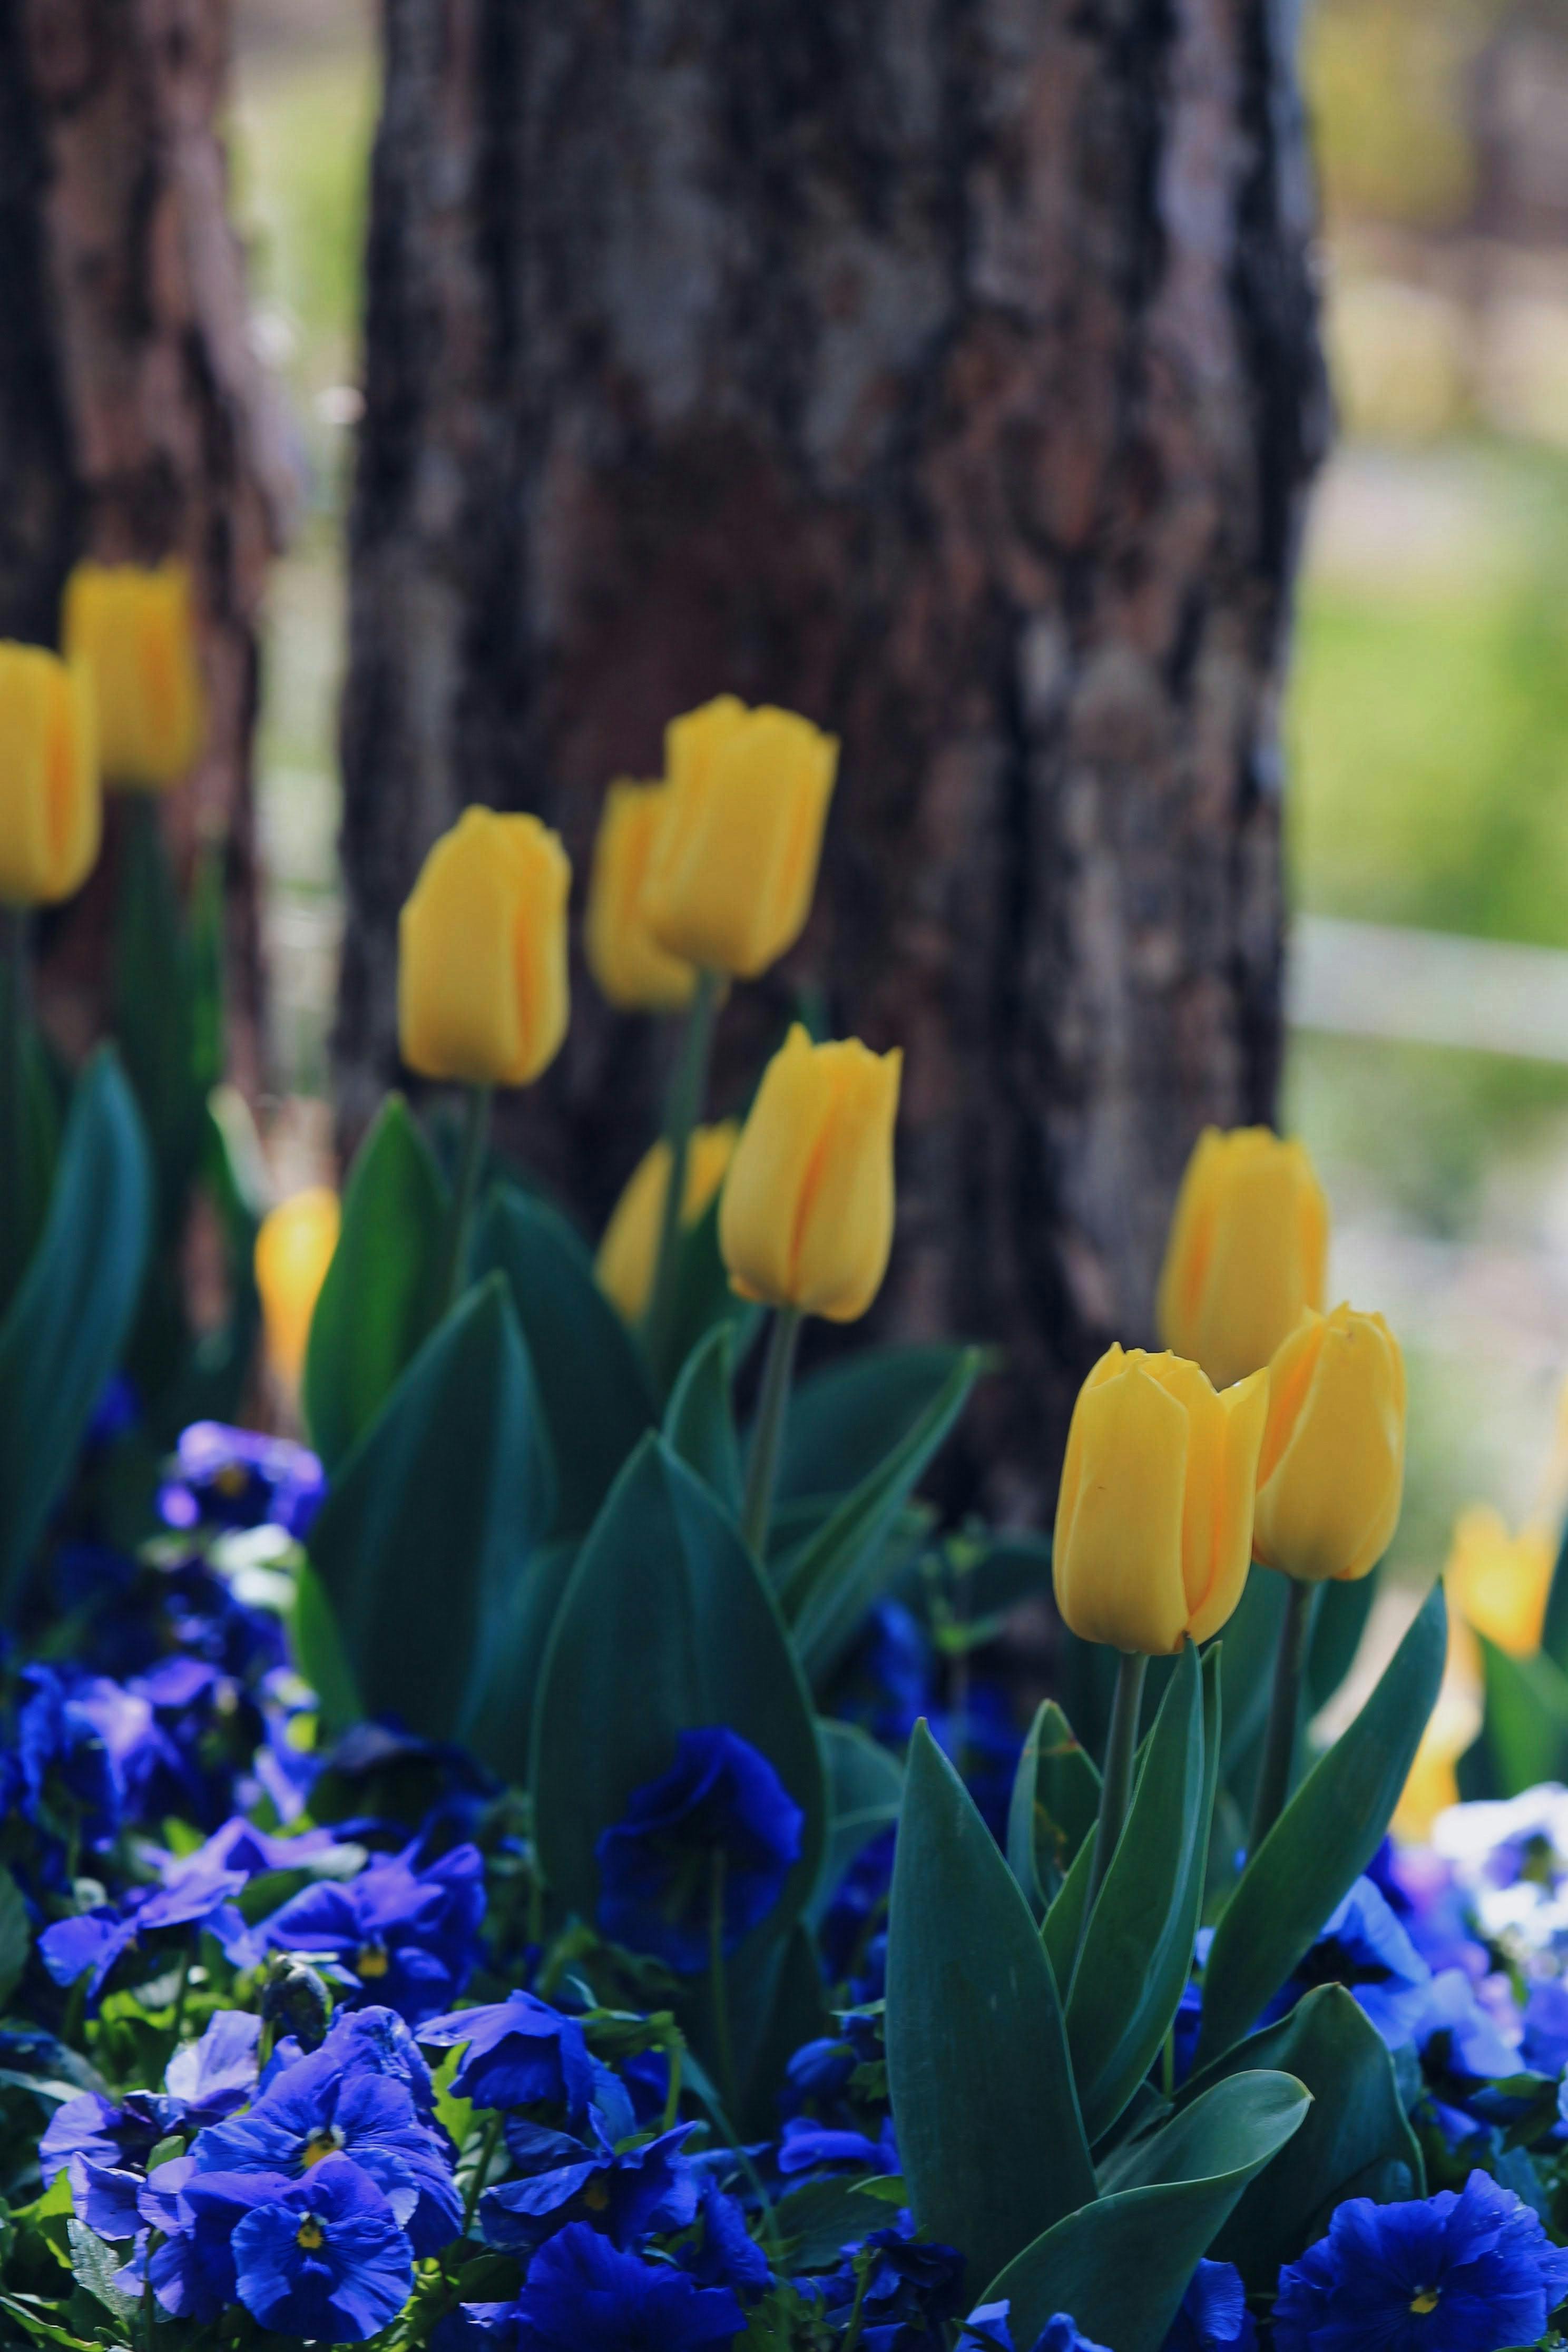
1153,1534
731,880
629,1249
1501,1583
293,1250
134,629
481,975
806,1216
631,967
51,813
1332,1472
1247,1251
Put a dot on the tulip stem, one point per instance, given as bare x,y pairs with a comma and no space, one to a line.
461,1216
1278,1768
767,1436
687,1093
1116,1788
15,1221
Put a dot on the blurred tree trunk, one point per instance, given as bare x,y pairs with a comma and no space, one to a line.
133,423
949,373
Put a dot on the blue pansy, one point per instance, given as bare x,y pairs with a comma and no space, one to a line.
986,2330
195,2214
225,1477
407,1936
67,1782
110,2133
724,2253
376,2041
563,2179
1545,2046
209,2078
1214,2317
324,2258
517,2051
1365,1945
1472,2272
197,1894
720,1814
804,2144
904,2287
104,2199
584,2294
317,2111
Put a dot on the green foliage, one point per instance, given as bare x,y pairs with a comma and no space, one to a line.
988,2118
699,1418
1526,1726
1055,1798
865,1792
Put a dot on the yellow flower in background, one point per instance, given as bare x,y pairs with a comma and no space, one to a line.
1247,1251
293,1250
1331,1475
51,811
1153,1534
629,1249
733,868
806,1216
626,960
1453,1727
134,630
482,992
1500,1582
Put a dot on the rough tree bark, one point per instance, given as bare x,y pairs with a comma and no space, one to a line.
946,370
133,420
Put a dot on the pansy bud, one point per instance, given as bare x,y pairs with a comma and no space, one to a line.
1332,1472
626,960
293,1250
134,629
1153,1534
806,1216
734,866
51,813
629,1250
1498,1583
1247,1251
481,971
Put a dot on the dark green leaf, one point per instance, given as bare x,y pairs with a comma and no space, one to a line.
699,1420
1355,2135
500,1730
830,1623
983,2104
702,1297
844,1421
1251,1638
94,2263
1013,1569
433,1516
64,1331
864,1790
666,1626
1337,1628
1064,1920
1526,1721
320,1654
16,1936
1121,2265
378,1302
1137,1950
1056,1800
154,1007
591,1383
818,2221
1323,1841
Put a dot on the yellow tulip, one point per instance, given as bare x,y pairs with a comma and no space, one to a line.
293,1250
733,868
134,630
51,813
1453,1727
628,963
481,973
1247,1251
629,1249
1153,1534
806,1217
1499,1583
1332,1472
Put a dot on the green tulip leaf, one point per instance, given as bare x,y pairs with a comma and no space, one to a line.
702,1297
500,1726
1055,1804
700,1420
844,1422
16,1936
1137,1950
1251,1639
987,2119
1323,1841
1063,1924
864,1790
1121,2264
1356,2140
592,1386
666,1626
377,1303
1338,1624
316,1640
155,1022
65,1330
1526,1720
434,1517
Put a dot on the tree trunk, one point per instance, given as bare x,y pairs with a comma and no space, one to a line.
943,369
133,423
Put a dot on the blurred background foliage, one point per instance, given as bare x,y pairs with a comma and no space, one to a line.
1427,723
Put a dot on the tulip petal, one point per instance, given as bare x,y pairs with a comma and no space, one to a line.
844,1220
1243,1410
1330,1501
1118,1565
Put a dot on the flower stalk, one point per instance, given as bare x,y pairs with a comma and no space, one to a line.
461,1217
1116,1788
767,1438
687,1092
